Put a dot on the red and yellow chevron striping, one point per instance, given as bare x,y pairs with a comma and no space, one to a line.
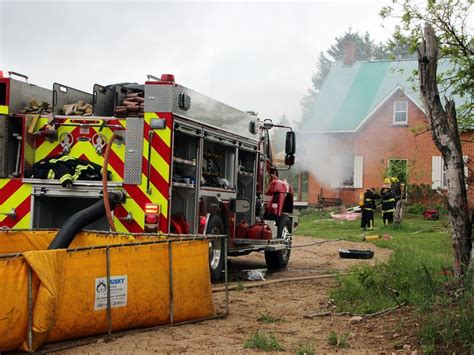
130,216
15,196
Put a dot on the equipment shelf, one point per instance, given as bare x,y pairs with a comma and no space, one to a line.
184,161
183,185
74,183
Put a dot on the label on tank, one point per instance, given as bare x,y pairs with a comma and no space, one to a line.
118,292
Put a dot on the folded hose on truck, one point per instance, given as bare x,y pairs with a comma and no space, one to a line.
76,222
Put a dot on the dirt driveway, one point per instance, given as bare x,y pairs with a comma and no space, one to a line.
292,302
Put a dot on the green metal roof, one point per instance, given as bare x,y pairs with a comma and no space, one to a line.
351,93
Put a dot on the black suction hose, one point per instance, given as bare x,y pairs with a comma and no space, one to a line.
76,222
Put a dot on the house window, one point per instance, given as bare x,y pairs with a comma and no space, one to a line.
438,172
400,112
398,168
346,171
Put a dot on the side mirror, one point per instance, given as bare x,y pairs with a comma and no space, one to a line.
290,145
289,160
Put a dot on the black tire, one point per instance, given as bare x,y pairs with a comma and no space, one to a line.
279,259
356,254
216,248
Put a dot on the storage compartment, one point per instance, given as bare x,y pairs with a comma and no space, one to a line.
245,183
218,165
183,198
64,95
54,211
20,93
3,93
10,146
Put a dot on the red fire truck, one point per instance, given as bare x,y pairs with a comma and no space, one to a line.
188,164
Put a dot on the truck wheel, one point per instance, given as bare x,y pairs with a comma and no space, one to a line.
279,259
216,248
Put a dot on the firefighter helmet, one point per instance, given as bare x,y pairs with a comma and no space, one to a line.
394,179
386,181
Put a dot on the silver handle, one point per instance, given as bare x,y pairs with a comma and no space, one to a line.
150,137
18,74
128,218
11,214
149,76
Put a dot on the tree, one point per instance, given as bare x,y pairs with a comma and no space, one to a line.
366,49
450,21
444,35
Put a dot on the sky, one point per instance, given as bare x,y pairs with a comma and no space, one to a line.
256,56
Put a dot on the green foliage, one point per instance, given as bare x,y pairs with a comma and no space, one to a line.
338,340
415,275
450,20
448,328
263,341
332,338
268,318
424,193
398,168
416,208
366,49
240,286
305,349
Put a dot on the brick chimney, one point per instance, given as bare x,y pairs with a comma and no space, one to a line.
349,53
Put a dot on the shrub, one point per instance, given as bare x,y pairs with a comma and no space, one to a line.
369,289
263,341
305,349
240,286
268,318
448,328
338,340
416,208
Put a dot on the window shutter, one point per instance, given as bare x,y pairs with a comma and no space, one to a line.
358,171
436,172
335,172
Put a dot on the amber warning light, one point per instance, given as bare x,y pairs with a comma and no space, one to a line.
152,217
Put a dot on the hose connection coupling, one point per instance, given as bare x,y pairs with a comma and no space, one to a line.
117,196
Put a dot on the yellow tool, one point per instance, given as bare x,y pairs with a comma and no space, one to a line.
372,237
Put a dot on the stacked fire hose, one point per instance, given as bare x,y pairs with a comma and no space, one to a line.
132,105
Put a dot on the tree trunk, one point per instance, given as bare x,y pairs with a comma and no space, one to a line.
445,134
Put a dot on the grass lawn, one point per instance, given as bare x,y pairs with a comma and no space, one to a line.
425,242
414,275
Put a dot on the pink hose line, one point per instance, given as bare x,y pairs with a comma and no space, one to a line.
108,212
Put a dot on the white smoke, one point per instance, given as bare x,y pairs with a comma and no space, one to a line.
327,157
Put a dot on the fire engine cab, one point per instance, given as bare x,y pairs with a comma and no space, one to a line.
187,164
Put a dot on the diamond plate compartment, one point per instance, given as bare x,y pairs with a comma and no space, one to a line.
133,151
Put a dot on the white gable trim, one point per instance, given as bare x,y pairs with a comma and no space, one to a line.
383,102
371,113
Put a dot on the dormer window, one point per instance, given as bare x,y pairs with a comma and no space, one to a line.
400,112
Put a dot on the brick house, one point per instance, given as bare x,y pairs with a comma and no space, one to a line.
367,123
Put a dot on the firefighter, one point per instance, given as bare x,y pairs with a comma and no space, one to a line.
368,208
388,205
398,189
